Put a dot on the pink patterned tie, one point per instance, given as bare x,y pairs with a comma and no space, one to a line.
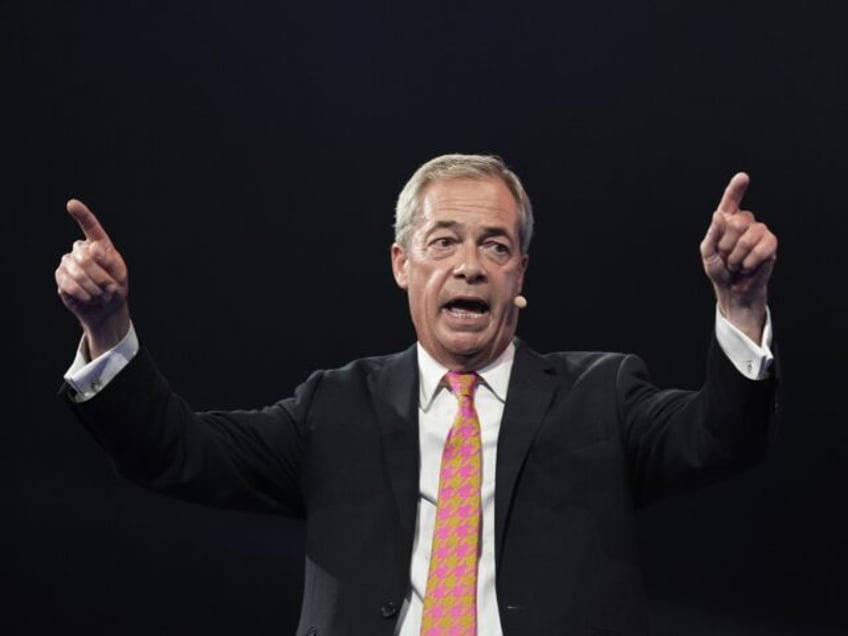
450,602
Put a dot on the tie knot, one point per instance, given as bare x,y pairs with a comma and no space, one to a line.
462,384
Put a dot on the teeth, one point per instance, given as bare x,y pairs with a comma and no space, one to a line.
465,313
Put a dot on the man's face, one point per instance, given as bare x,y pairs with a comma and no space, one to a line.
462,270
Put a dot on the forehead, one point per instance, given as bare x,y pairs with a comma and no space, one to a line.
484,201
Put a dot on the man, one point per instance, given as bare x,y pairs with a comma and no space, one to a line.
468,485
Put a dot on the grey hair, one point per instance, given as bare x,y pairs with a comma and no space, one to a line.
457,166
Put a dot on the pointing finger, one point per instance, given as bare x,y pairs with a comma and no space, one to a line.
88,223
709,246
733,193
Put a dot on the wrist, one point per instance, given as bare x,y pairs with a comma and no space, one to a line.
749,318
105,335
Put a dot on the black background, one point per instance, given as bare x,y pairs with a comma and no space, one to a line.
246,158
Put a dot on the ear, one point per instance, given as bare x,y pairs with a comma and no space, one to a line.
400,266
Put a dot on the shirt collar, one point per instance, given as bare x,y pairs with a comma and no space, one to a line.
494,376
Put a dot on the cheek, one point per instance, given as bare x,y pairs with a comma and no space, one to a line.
430,285
424,289
509,283
516,279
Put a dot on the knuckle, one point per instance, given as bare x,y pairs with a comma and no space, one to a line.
72,268
746,243
759,229
755,257
738,223
82,256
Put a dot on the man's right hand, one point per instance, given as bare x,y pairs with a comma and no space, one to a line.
92,282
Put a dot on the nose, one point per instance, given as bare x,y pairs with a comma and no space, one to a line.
469,265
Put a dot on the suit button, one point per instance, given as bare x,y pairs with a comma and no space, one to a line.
389,610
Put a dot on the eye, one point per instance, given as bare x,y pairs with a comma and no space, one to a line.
499,248
442,243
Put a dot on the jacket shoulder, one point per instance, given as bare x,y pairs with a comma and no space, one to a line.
576,363
354,378
362,368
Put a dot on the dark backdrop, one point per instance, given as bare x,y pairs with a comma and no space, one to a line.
245,158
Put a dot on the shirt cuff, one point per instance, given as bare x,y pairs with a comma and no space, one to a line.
752,360
89,377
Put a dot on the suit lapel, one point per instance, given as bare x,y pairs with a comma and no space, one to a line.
394,388
532,386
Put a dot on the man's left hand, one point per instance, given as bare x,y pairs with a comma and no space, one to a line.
739,253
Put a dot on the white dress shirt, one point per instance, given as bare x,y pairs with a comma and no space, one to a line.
436,411
437,408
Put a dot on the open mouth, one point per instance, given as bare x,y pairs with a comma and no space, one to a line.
466,307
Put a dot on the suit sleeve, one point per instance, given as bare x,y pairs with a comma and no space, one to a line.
248,460
677,440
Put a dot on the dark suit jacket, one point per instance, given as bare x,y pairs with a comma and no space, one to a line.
585,439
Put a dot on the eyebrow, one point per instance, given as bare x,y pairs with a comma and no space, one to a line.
495,231
489,231
443,225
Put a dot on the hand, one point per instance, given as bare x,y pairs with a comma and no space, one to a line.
739,253
92,283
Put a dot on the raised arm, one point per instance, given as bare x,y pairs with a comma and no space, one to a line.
738,254
92,283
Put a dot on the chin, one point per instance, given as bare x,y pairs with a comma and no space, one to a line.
465,345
